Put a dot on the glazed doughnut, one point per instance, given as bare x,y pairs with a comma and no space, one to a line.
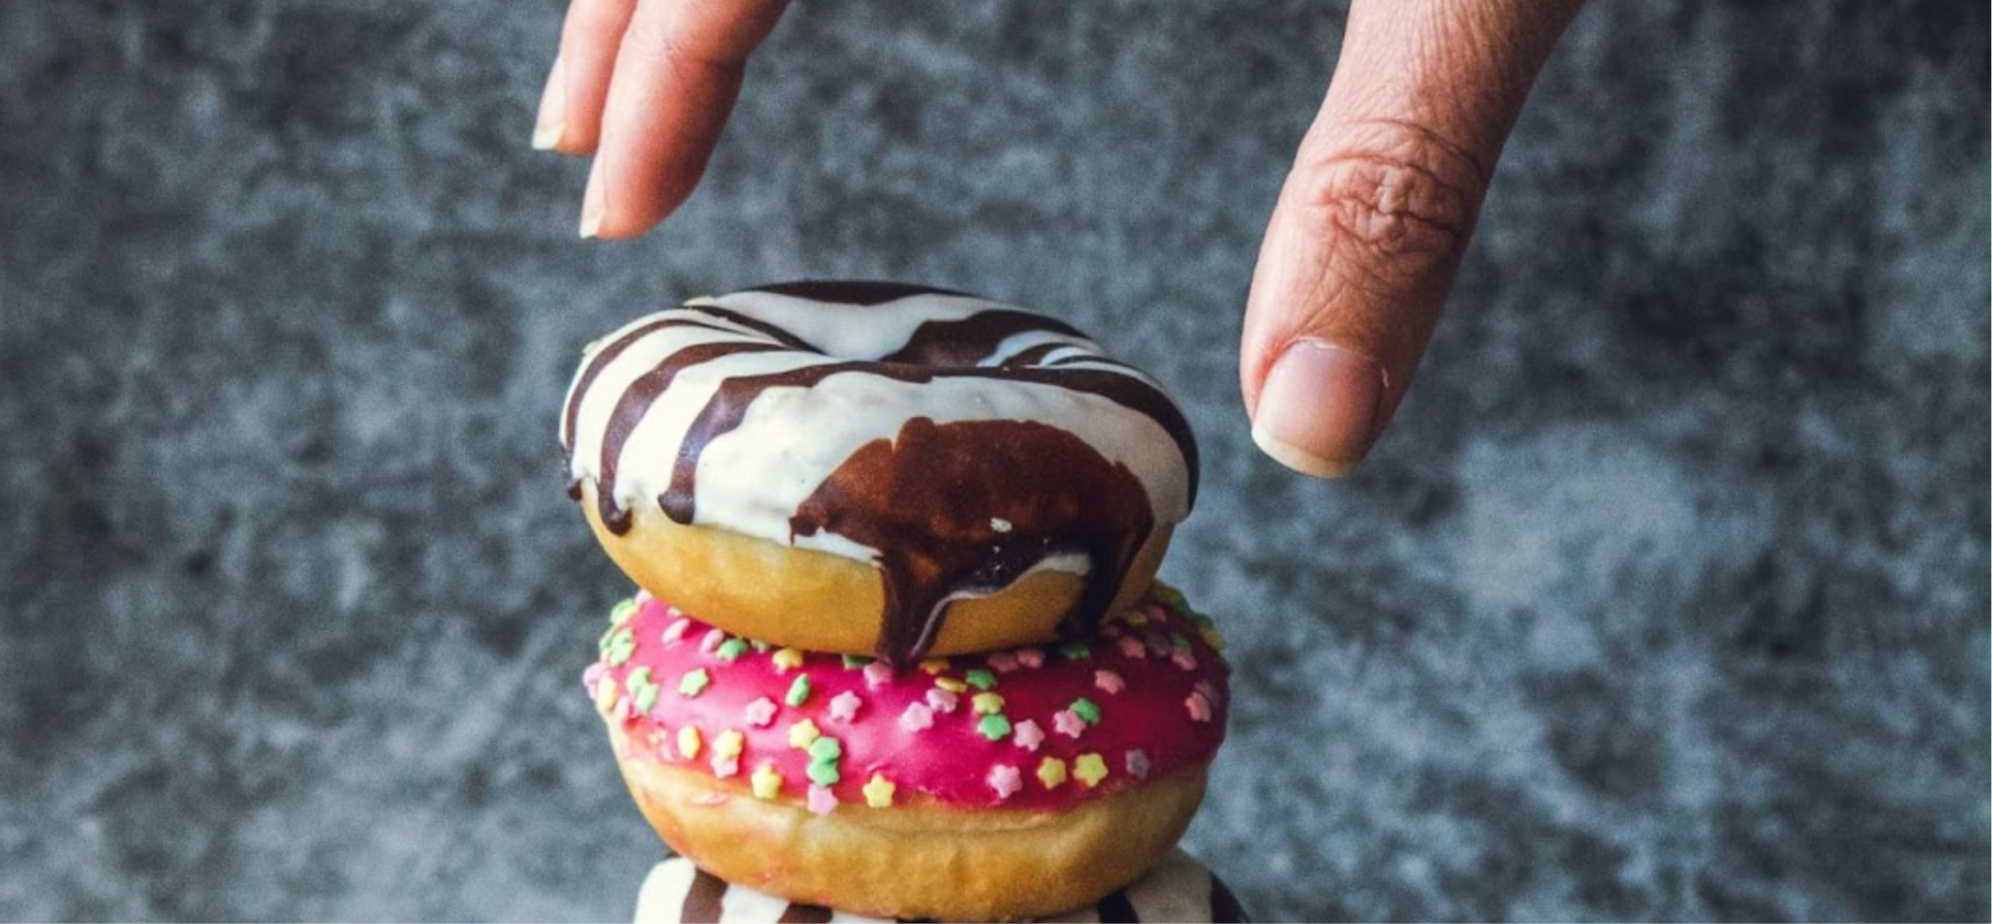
902,470
1177,889
997,786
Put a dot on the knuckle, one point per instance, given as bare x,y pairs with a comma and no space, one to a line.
660,49
1398,196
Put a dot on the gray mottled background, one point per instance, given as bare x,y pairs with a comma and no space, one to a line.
1666,598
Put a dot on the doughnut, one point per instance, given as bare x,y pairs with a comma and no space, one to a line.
1177,889
995,786
903,471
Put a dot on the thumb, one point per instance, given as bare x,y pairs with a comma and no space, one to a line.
1368,232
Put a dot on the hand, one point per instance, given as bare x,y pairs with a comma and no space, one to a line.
1361,249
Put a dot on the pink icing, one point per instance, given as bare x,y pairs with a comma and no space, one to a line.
1154,716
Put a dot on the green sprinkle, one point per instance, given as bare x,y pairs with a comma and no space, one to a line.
825,749
760,645
1074,650
694,682
980,678
1202,621
619,646
824,774
1178,641
798,691
1085,709
854,662
994,726
731,649
622,611
642,692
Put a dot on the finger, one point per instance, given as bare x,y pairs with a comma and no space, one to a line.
1367,235
676,77
570,116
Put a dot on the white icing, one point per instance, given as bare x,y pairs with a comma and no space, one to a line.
752,479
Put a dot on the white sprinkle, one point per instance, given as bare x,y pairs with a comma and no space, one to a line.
1001,525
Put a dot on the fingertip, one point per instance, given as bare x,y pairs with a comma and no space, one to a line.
1320,408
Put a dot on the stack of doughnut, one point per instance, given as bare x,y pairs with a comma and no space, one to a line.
898,648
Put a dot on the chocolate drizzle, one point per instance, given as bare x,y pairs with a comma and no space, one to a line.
704,901
636,402
972,339
971,506
930,500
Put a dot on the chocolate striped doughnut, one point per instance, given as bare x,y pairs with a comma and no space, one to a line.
889,460
1178,889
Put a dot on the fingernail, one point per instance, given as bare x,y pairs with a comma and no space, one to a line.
552,110
1320,408
591,202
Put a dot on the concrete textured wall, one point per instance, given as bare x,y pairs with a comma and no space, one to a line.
1666,598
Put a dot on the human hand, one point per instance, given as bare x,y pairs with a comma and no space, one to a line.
1361,249
1369,229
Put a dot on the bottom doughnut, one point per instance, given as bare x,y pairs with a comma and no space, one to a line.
1176,889
916,861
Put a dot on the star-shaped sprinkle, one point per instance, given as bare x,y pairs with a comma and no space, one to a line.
877,674
934,665
1073,651
786,659
1051,772
689,742
1108,682
760,712
916,718
1131,647
729,743
994,727
725,767
1068,723
1085,709
731,649
988,703
1090,769
1198,707
821,800
980,678
622,612
1028,735
1137,764
942,701
1005,780
767,782
1032,658
1003,661
802,733
844,706
879,791
694,682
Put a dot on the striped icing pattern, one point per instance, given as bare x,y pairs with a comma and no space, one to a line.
638,421
1178,889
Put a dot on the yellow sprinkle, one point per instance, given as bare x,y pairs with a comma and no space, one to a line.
787,659
1051,772
1090,769
689,741
988,703
934,665
1212,638
950,684
802,733
728,744
1135,618
605,696
878,792
767,782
